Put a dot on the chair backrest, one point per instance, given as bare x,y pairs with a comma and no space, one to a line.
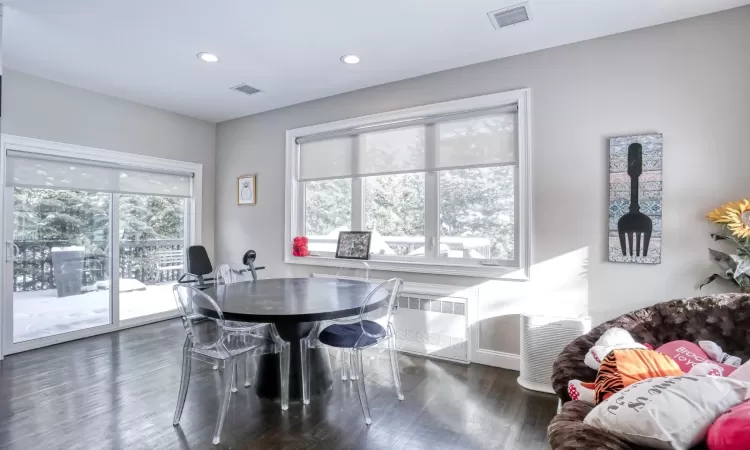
204,334
383,314
233,273
357,269
198,262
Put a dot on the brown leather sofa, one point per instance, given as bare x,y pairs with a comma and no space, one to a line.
724,319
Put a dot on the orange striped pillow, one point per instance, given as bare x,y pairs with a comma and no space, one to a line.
621,368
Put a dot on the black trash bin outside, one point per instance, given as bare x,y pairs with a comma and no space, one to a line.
67,263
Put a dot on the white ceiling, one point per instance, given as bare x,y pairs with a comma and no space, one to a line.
144,50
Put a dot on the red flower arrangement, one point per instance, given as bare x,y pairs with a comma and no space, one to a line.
299,247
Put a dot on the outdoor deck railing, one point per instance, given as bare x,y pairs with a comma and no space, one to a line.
33,269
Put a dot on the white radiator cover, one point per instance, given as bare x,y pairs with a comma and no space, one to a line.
434,320
432,326
543,338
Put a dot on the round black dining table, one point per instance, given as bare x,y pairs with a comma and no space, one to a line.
294,305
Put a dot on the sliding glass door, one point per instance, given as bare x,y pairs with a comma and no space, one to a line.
152,253
90,246
61,262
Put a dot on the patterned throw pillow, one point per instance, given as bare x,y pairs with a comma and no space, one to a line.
669,412
621,368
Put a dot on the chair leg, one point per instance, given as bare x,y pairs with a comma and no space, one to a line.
249,369
353,374
184,383
228,379
357,360
284,362
234,378
394,366
304,356
344,357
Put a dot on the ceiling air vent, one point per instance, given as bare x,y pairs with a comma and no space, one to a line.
509,16
245,89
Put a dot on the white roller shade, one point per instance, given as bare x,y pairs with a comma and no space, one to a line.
394,151
28,170
479,141
391,151
461,140
326,159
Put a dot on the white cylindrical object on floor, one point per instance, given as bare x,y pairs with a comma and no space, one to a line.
542,340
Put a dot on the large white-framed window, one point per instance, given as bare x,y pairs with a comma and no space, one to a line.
444,188
94,239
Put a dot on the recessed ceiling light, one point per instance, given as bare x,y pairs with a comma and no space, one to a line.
207,57
350,59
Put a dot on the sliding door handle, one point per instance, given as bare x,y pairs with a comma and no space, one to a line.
11,251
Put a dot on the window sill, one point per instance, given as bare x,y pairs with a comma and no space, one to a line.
506,273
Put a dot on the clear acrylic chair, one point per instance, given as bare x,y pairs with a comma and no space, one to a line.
372,328
235,273
360,270
209,340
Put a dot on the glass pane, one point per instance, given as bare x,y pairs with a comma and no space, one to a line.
152,253
394,212
476,141
328,210
476,213
396,150
61,268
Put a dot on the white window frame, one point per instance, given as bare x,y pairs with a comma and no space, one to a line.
295,193
193,221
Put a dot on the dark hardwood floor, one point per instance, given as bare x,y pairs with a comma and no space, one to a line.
118,391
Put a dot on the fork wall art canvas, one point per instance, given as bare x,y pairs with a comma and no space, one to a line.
635,198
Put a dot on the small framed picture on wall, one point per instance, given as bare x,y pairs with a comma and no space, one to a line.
246,190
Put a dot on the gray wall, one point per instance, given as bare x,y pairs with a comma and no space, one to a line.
689,80
38,108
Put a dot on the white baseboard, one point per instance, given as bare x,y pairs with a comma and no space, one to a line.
497,359
432,356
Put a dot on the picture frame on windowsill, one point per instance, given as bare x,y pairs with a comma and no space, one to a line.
354,245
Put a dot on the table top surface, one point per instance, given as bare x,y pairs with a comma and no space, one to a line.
293,299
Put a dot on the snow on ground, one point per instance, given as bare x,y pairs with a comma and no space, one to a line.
39,314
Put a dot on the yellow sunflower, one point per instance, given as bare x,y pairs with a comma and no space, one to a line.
719,215
738,219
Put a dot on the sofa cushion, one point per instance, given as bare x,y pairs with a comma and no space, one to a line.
723,319
621,368
645,412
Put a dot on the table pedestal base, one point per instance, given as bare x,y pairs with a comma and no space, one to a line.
267,379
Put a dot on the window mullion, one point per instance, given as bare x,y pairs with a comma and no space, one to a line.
432,195
358,209
114,259
358,191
